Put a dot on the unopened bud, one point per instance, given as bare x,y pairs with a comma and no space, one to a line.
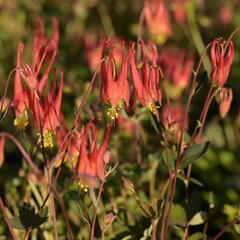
129,186
226,96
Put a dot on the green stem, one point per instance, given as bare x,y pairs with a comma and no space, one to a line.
106,20
197,39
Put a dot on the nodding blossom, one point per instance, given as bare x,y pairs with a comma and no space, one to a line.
30,75
157,20
222,55
146,77
114,86
91,161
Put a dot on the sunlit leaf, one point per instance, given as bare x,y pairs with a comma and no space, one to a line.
178,215
197,219
197,236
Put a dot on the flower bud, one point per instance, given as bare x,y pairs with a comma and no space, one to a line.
226,96
222,55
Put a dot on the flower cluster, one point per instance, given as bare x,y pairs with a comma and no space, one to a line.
29,83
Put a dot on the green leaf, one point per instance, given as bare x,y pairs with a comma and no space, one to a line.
237,228
197,236
193,153
195,181
17,224
147,233
152,210
178,215
153,122
168,158
28,219
197,219
192,180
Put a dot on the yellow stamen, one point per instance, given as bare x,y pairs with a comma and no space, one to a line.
82,186
153,108
47,139
21,121
113,111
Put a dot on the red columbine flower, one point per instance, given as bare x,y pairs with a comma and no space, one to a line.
93,48
226,96
25,97
114,87
157,20
91,161
69,143
146,85
222,55
177,67
179,10
47,114
226,14
41,44
20,99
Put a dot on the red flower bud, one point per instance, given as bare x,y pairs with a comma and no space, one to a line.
221,59
226,96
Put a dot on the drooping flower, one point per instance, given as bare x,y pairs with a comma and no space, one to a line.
179,10
20,99
177,67
91,161
226,15
146,84
30,78
93,48
157,20
226,96
47,114
41,44
68,143
114,87
222,55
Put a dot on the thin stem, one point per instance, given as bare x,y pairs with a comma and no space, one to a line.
164,218
206,111
140,32
63,208
27,157
52,204
230,224
191,15
84,98
173,184
27,233
185,236
190,99
154,229
95,211
170,204
13,235
203,110
65,218
6,88
106,19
